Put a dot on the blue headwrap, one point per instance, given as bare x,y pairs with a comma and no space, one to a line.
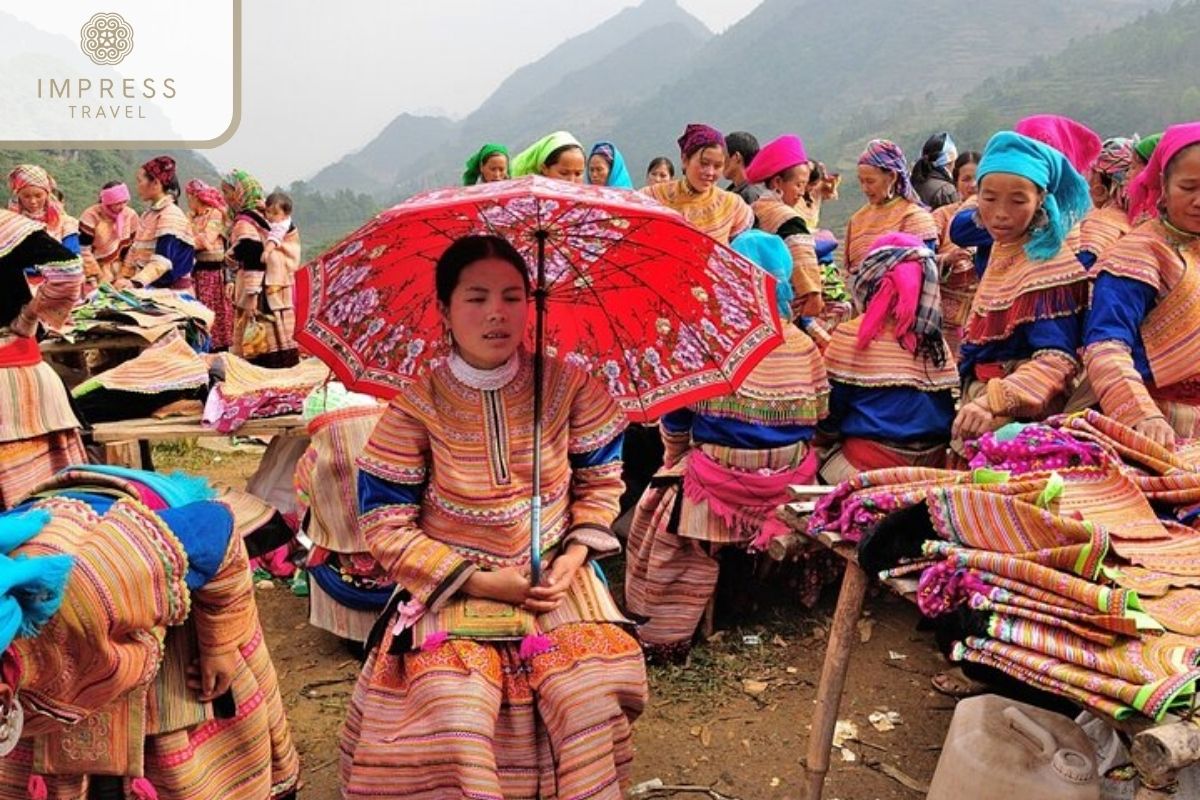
1067,196
31,589
770,253
948,153
618,175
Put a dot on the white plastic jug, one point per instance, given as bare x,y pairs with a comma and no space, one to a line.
998,749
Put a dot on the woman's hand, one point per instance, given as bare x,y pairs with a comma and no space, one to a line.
1157,430
212,675
556,580
506,585
974,419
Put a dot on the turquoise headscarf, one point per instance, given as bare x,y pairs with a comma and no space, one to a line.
769,252
31,589
475,163
530,160
618,175
1067,196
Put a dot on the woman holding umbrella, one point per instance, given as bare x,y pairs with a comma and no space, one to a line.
480,682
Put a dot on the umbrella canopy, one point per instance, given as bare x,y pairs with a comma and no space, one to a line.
658,311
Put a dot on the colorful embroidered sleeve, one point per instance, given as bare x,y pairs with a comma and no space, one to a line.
223,608
807,283
676,431
920,223
393,470
743,218
63,274
1028,391
1116,382
595,437
209,231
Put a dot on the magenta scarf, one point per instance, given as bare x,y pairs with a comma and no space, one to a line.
111,196
746,500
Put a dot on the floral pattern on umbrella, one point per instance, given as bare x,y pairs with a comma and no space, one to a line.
659,312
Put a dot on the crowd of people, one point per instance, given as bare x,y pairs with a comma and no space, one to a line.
1052,272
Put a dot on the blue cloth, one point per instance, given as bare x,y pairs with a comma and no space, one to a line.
967,231
204,530
1059,333
1119,306
1067,198
769,252
618,173
31,589
726,432
181,255
897,414
176,489
376,492
602,455
71,242
825,248
347,595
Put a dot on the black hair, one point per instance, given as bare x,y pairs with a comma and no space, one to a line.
110,185
171,187
743,144
965,159
789,173
924,168
660,161
1175,160
466,251
58,194
280,200
557,153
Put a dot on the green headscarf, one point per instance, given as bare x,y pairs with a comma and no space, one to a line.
475,163
1145,147
248,192
530,160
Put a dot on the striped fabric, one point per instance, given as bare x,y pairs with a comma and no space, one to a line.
1015,289
14,228
884,362
720,214
264,293
1102,228
164,218
209,229
1178,610
895,216
34,403
807,285
102,259
167,365
26,463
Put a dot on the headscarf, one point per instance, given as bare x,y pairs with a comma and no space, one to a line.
888,156
208,195
618,174
1146,191
1067,195
1116,157
530,160
1079,143
899,279
247,191
475,163
937,156
777,155
110,197
1145,147
697,136
24,175
769,252
31,589
161,169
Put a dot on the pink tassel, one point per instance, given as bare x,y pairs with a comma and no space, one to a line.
771,529
534,645
143,789
434,640
37,788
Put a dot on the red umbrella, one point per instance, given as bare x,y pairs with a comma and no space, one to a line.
659,312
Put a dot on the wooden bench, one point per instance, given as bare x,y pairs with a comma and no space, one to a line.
126,442
1159,750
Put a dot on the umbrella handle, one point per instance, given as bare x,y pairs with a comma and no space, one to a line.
535,541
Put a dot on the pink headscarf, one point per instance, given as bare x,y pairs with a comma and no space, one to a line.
111,196
776,156
208,195
1146,190
1079,143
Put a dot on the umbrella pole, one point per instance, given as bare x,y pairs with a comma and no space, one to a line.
539,332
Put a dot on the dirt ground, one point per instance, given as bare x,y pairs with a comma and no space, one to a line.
704,726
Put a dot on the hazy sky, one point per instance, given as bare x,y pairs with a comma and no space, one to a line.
321,79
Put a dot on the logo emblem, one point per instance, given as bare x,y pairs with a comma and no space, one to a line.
106,38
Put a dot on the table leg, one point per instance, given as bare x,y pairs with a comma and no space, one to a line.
123,454
833,678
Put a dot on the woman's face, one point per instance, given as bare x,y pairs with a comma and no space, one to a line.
32,200
791,187
660,174
1007,204
115,209
876,184
966,181
487,312
1096,188
703,167
569,167
229,192
194,204
598,169
1181,193
147,187
495,168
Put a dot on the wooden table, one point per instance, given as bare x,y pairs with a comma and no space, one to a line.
1159,749
70,361
126,442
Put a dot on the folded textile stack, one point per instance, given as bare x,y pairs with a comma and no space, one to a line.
162,375
148,313
1070,547
250,392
